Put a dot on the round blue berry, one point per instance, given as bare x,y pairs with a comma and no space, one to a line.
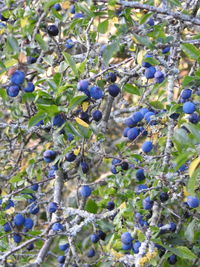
189,107
130,123
147,146
94,238
28,224
149,72
137,116
34,209
70,156
52,207
19,219
96,92
193,202
7,227
57,7
91,253
159,76
110,205
140,175
85,191
83,85
132,133
13,90
126,238
150,22
57,227
186,93
49,156
84,167
113,90
136,246
64,246
97,115
17,238
61,259
18,77
193,118
165,50
146,64
30,88
147,203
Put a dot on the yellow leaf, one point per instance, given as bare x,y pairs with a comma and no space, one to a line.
2,31
116,254
140,56
22,58
185,192
24,22
115,20
193,166
81,122
85,106
65,4
122,206
3,193
10,211
77,151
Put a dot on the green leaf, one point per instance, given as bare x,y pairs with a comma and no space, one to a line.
156,104
70,62
192,182
190,81
41,42
50,3
152,61
145,18
91,206
77,100
191,51
15,179
57,78
143,40
189,233
110,51
131,89
13,44
103,26
36,118
56,13
49,109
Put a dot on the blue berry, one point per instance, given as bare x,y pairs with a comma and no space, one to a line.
58,120
111,77
94,238
69,44
83,85
34,187
193,202
150,22
52,207
116,161
172,259
186,93
31,60
149,72
17,238
101,234
189,107
9,204
85,191
19,219
132,133
130,123
159,76
147,146
7,227
91,253
34,209
28,224
64,247
147,203
61,259
84,167
30,88
125,132
164,196
70,137
124,165
110,205
57,227
165,50
143,111
30,247
49,156
140,175
139,188
13,90
148,116
172,227
126,238
52,30
57,7
113,90
126,246
137,116
96,92
18,77
114,170
70,156
97,115
78,16
136,246
146,64
72,9
193,118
